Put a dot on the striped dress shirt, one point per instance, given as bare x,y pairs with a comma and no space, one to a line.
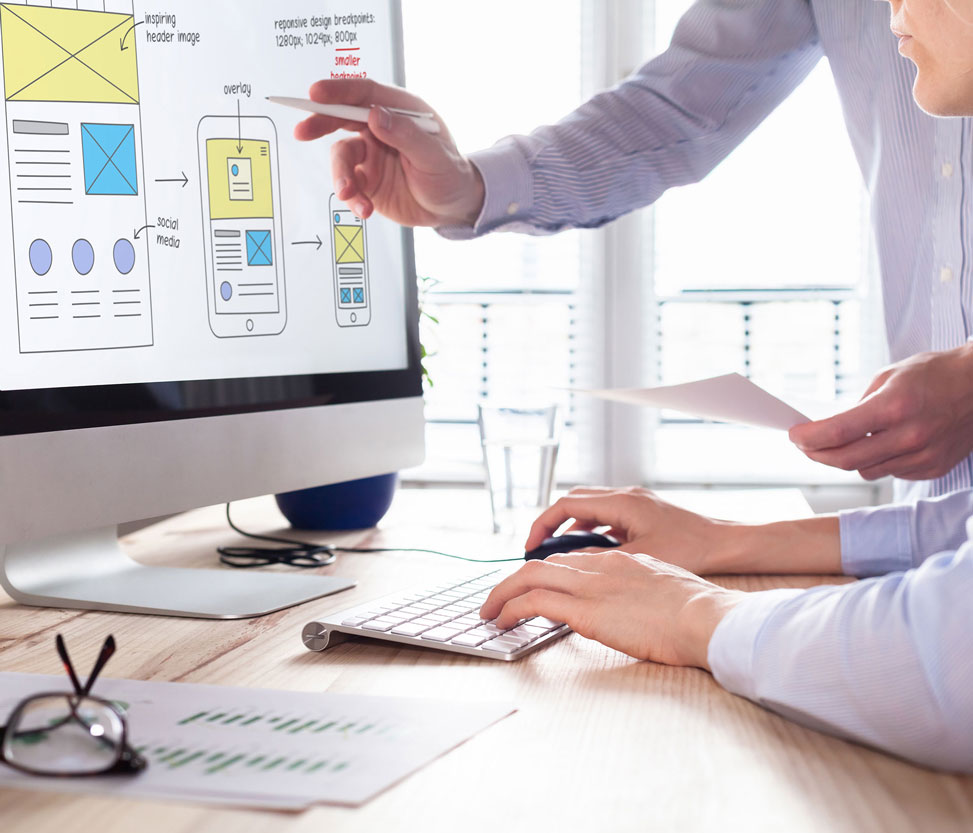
885,661
730,63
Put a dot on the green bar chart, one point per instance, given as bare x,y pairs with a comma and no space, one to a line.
271,748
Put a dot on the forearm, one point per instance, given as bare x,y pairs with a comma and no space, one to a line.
810,545
883,539
668,124
883,661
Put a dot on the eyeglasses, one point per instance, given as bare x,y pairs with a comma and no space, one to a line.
69,734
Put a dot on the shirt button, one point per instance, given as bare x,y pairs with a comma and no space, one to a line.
945,275
513,208
947,170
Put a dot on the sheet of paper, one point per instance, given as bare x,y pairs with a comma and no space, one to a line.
261,747
729,398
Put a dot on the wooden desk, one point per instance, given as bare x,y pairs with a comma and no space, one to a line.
600,742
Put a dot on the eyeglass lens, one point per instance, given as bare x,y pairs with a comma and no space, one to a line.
64,735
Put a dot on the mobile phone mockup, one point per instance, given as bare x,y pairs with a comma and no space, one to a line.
242,233
350,260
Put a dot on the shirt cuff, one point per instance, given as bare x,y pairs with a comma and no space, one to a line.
508,193
732,647
876,540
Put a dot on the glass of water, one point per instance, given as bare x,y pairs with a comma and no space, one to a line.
520,445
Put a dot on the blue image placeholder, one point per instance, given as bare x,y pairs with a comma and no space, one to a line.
259,249
82,256
124,256
40,257
226,291
346,296
108,153
359,296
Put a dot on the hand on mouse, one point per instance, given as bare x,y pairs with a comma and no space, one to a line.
634,603
644,523
641,521
391,166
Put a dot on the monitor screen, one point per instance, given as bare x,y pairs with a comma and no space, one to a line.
173,251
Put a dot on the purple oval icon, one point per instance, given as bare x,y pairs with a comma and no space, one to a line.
82,256
40,257
124,255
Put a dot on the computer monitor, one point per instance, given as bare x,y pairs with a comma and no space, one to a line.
187,314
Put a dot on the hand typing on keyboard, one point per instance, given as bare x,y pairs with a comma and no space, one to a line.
445,617
634,603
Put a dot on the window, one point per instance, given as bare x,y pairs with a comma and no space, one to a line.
640,302
782,291
505,304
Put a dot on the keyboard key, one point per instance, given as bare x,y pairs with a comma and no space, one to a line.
375,612
410,610
510,636
459,610
354,621
470,640
439,616
501,645
411,629
488,632
422,620
541,622
380,625
522,633
441,634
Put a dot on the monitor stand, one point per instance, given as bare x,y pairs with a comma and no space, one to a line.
89,570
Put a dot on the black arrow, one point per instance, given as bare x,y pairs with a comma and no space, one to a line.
121,42
183,179
316,242
239,128
141,230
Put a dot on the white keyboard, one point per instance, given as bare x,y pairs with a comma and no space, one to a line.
445,617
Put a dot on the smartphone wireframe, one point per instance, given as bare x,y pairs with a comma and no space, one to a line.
244,245
353,303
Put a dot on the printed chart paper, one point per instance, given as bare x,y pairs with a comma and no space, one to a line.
729,398
260,747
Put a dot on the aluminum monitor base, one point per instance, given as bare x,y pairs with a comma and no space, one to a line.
90,571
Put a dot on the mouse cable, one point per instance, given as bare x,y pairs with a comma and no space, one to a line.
306,555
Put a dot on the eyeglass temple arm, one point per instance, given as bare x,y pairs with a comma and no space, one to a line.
62,652
107,649
106,654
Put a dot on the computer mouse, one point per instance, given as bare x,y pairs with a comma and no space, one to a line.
575,539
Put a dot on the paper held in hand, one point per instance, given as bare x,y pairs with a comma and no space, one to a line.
729,398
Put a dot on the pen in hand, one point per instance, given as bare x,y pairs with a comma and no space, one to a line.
424,121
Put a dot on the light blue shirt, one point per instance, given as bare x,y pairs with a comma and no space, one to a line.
886,661
731,62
